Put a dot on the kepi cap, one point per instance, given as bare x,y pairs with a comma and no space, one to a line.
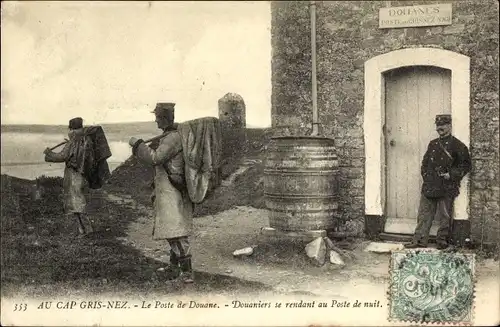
75,123
443,119
164,107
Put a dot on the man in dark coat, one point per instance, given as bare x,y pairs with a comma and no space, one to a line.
445,163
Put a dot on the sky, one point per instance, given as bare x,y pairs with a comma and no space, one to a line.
113,61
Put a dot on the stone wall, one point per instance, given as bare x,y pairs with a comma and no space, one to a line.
347,36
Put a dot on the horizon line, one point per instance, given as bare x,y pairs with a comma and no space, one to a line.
107,123
65,125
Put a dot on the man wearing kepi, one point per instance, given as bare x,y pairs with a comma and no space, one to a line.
173,206
445,163
85,156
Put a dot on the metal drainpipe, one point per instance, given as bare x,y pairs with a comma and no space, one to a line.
315,120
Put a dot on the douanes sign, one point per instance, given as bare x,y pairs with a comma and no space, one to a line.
415,16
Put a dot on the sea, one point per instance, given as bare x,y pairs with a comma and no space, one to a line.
22,154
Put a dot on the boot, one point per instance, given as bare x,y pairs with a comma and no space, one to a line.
81,227
88,225
174,261
186,275
174,265
442,245
414,245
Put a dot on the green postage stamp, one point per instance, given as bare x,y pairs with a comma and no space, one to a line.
431,287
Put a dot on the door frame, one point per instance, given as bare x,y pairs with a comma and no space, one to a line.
374,117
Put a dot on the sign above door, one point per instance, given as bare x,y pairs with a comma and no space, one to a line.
415,16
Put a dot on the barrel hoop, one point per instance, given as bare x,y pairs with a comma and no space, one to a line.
299,172
296,154
293,155
318,151
305,211
299,159
287,148
301,155
280,161
293,165
300,196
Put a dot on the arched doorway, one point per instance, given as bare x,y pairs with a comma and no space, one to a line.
404,90
414,95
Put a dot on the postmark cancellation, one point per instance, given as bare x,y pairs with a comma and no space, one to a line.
432,287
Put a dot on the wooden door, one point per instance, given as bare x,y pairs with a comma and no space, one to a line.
413,97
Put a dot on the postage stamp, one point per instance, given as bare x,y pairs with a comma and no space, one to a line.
432,287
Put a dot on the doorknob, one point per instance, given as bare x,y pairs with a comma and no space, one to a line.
392,143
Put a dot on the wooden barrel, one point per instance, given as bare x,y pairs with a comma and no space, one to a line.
300,185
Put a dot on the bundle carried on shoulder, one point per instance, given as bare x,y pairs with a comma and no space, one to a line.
89,154
202,150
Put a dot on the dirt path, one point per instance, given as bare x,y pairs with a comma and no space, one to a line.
281,264
215,237
245,165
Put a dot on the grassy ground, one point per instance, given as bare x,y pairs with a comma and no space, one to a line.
41,255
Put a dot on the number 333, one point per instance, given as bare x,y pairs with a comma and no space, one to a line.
20,307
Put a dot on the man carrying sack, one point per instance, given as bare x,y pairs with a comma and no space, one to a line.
445,163
185,162
85,156
173,208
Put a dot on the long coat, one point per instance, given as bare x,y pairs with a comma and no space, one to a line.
74,182
173,207
444,155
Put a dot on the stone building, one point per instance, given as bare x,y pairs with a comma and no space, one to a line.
380,83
